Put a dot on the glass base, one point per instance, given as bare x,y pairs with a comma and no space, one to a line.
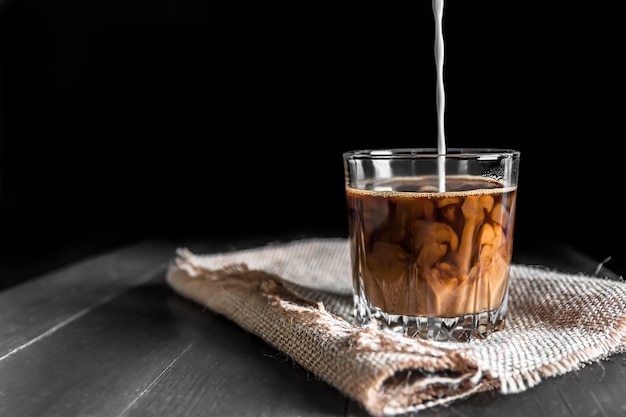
462,328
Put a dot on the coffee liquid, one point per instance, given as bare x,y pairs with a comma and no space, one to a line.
425,253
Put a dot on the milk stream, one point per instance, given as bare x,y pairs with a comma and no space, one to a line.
440,95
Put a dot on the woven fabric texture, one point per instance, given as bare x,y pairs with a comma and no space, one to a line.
297,297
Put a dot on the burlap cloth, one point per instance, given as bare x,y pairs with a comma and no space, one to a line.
296,296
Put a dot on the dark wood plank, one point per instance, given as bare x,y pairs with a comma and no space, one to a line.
108,337
140,349
561,256
228,371
37,307
98,363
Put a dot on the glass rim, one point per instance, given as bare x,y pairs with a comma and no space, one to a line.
408,153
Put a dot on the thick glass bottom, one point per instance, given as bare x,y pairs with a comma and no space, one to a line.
462,328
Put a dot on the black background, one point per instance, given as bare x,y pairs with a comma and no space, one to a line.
123,120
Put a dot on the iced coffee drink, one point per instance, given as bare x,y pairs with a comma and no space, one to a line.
429,258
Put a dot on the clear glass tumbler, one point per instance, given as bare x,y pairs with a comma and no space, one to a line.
431,239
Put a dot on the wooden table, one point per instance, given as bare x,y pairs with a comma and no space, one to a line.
106,336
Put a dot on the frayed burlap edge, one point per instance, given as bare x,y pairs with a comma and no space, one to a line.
383,371
388,373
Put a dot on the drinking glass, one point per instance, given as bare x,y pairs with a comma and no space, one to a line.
431,239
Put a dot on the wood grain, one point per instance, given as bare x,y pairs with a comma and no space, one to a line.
107,337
